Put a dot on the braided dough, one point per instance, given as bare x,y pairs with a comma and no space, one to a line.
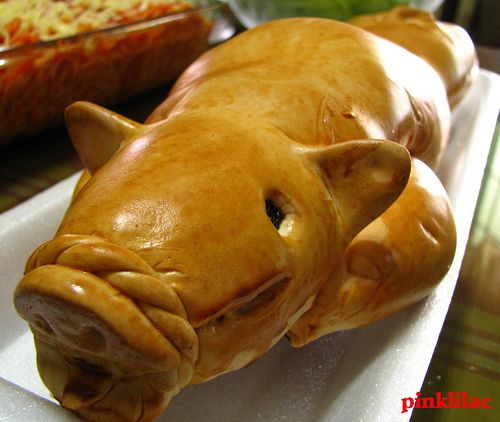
196,241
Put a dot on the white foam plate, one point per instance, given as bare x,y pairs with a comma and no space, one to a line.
358,375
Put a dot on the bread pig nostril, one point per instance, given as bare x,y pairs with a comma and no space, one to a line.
79,390
93,340
88,367
41,324
88,338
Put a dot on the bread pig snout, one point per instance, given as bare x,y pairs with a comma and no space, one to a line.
104,326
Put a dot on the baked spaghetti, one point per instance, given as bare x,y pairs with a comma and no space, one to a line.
53,53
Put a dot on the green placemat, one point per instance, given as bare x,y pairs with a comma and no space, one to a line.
466,360
467,357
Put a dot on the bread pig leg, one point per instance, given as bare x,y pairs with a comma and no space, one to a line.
393,263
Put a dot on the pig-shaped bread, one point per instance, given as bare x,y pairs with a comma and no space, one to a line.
196,241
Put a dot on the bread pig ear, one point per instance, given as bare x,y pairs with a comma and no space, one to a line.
97,133
364,178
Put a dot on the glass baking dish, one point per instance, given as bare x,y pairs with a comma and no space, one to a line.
38,81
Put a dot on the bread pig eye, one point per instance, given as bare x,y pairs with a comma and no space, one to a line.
280,212
274,213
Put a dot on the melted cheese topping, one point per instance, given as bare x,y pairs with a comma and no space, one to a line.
29,21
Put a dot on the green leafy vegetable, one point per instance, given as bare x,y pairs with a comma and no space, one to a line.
262,10
338,9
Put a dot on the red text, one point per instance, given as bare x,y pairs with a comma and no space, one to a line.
457,400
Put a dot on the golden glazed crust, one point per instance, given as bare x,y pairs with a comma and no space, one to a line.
352,85
445,46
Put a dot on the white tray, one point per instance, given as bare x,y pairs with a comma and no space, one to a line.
359,375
